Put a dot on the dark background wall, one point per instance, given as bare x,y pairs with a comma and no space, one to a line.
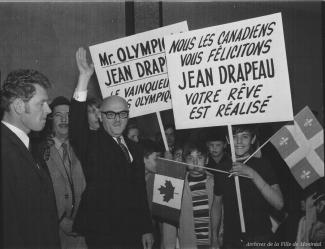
45,36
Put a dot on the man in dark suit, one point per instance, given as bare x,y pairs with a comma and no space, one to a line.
113,212
28,202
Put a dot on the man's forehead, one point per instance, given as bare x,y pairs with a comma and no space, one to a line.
61,108
114,103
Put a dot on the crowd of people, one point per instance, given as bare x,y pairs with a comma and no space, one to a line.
87,180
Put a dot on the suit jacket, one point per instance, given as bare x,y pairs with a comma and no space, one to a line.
63,192
28,202
115,200
61,183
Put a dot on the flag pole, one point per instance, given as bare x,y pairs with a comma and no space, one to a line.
197,166
259,148
240,204
162,131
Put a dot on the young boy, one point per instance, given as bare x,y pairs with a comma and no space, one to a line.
151,152
216,142
197,215
259,193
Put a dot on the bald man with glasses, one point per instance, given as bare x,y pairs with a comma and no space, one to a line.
114,211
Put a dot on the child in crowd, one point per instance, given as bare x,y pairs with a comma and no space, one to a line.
216,142
259,192
197,219
151,152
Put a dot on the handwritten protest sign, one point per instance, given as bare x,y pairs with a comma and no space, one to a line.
229,74
135,68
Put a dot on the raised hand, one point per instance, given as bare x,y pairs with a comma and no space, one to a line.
85,69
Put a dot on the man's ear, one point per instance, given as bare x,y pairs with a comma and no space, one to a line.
18,105
253,139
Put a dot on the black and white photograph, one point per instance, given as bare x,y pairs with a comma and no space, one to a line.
147,124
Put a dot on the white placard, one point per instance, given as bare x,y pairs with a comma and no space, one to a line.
230,74
135,68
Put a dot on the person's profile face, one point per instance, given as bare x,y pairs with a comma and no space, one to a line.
36,110
133,134
243,142
216,148
93,117
61,120
114,125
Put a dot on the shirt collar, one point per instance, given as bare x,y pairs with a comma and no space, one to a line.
122,140
21,134
58,143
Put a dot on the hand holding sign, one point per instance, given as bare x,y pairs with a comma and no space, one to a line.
243,170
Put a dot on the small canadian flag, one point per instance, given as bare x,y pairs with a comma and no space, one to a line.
168,190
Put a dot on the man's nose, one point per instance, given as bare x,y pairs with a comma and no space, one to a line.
47,109
65,118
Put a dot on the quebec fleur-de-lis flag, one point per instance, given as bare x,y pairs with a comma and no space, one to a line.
168,190
301,145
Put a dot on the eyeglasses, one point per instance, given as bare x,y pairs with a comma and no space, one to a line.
112,115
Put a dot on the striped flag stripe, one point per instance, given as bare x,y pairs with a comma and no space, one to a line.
197,186
198,192
202,236
201,207
204,229
199,197
198,225
200,213
201,203
201,219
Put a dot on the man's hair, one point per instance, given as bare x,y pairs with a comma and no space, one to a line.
149,147
20,84
60,100
251,128
94,102
191,146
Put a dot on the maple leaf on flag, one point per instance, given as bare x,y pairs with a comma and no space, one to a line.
167,191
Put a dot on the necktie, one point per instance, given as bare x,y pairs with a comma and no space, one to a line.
67,166
124,149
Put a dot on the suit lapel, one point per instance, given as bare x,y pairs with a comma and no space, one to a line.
21,147
57,160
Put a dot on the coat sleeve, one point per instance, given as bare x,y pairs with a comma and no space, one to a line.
78,129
